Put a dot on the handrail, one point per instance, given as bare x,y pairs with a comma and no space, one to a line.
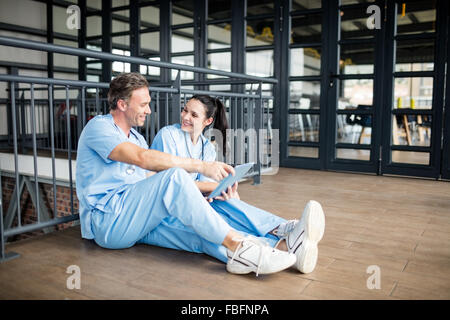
42,46
90,84
246,110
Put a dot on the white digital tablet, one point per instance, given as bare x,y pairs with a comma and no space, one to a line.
240,172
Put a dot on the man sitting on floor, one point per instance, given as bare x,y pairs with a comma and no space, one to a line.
122,203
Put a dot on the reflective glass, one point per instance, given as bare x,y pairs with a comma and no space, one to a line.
304,95
305,61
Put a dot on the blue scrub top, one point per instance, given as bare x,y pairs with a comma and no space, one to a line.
173,140
99,178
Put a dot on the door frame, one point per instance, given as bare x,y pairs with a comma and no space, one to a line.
387,166
445,165
333,77
380,161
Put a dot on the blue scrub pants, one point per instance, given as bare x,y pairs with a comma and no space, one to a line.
168,210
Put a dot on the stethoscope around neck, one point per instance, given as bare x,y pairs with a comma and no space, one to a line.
187,146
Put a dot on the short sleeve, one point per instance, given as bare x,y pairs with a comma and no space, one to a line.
164,142
102,137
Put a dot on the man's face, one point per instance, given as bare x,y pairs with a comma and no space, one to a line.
138,107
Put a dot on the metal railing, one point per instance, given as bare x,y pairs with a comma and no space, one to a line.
40,122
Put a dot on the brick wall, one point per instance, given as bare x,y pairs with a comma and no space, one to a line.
28,211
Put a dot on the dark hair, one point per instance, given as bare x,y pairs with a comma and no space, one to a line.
123,86
214,108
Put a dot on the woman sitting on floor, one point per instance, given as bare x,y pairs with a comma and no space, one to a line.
187,140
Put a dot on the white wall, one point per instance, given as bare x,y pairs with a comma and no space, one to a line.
44,165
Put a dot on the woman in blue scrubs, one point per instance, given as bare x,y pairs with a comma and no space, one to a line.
187,140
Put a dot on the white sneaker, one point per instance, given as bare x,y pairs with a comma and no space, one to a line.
285,228
253,255
304,237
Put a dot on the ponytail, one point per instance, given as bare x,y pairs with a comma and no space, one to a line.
221,122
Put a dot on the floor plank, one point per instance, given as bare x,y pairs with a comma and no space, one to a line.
400,225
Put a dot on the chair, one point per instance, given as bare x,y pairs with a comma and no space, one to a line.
365,121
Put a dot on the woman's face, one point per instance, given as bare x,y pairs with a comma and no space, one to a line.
193,117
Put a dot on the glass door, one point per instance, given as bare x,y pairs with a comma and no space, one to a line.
414,87
366,87
446,145
354,84
304,107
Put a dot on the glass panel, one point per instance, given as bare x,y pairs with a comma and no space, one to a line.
120,66
121,41
355,92
259,7
306,152
119,3
219,36
267,88
186,60
411,157
182,40
93,65
93,26
154,71
220,87
143,69
357,58
345,2
417,17
259,32
304,95
219,61
119,26
306,4
219,10
259,63
182,12
415,93
149,15
354,24
304,127
352,154
305,61
150,41
414,55
356,129
306,28
411,130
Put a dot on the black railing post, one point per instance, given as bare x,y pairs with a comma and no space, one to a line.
176,100
258,126
4,256
69,148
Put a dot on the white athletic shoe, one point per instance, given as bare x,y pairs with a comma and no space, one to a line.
256,256
302,240
285,228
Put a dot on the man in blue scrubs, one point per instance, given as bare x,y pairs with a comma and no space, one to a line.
122,202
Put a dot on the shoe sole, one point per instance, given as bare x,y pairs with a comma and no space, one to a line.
314,221
238,268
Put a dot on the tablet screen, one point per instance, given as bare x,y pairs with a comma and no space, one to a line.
240,170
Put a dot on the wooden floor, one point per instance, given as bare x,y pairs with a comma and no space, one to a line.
400,225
